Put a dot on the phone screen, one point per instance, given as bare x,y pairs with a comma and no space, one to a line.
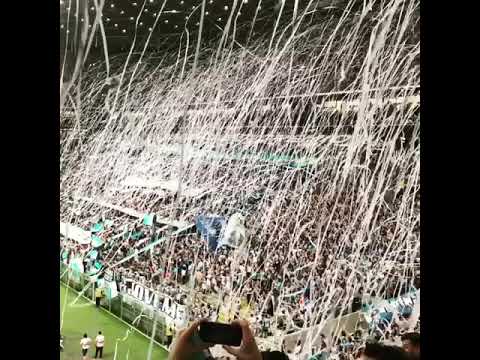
224,334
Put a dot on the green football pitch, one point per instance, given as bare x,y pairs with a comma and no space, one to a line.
84,317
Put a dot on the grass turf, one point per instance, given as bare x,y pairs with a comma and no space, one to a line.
86,318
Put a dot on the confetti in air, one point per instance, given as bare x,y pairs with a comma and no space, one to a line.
310,131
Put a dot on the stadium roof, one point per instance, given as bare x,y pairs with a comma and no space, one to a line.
124,20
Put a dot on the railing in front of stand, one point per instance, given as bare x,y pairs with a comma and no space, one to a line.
125,311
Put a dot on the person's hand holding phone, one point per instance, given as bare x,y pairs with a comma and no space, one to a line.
248,349
187,343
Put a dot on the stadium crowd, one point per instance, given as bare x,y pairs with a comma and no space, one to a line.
257,271
344,349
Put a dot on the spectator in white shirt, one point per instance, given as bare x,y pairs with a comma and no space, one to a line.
99,343
85,343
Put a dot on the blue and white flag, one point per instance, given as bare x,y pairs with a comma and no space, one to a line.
211,229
